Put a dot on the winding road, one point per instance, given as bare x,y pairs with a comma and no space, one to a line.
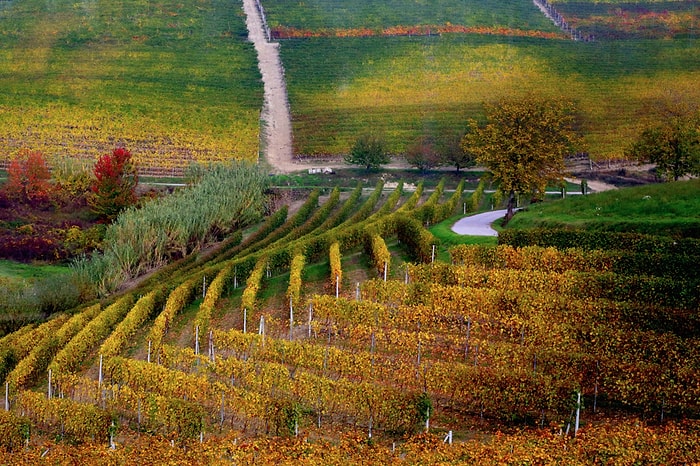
479,224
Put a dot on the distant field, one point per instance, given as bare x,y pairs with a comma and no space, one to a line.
173,81
632,19
381,14
407,86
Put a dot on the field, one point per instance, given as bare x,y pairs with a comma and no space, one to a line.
173,82
405,87
332,335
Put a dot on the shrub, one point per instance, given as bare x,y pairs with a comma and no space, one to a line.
28,178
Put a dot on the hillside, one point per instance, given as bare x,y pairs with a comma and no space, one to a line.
334,318
334,331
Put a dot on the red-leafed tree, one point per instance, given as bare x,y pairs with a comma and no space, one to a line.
28,178
114,188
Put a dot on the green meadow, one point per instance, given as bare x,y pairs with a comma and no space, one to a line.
173,81
405,87
659,209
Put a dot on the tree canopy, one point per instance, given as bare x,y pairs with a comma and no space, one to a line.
423,154
523,144
369,151
673,145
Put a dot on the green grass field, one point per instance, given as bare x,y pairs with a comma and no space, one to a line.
17,272
405,87
172,81
664,209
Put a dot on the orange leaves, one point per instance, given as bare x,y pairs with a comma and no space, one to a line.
285,32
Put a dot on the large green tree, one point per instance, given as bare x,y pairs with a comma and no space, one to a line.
523,144
673,145
369,151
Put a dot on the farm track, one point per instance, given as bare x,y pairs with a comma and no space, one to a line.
276,118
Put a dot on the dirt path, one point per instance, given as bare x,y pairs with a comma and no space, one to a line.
277,127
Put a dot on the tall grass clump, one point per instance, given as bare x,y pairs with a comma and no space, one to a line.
222,199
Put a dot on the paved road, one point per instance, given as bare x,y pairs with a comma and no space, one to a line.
479,224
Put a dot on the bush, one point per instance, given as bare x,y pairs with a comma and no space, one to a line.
28,178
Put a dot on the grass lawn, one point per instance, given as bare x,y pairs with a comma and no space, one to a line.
19,272
667,209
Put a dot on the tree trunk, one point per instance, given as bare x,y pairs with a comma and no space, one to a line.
511,208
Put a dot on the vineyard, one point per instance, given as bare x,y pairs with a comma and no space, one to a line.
333,334
406,87
633,20
175,82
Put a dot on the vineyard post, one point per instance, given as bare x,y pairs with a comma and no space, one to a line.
578,411
337,286
148,358
357,292
221,411
196,340
99,376
235,280
448,438
291,319
595,389
464,208
245,320
7,396
261,329
405,276
311,314
211,345
204,286
112,428
138,415
386,266
432,257
49,389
